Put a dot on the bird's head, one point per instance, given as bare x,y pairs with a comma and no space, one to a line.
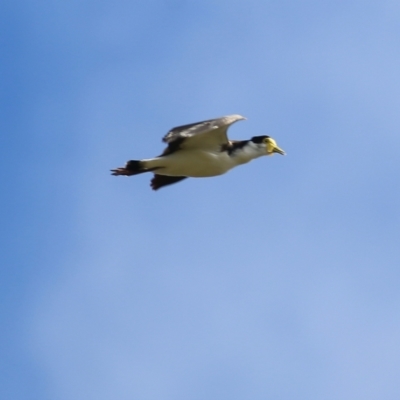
267,143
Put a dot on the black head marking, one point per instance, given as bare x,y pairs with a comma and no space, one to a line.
259,139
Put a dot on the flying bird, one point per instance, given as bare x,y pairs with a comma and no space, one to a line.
199,150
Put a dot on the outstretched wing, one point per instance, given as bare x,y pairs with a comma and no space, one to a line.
207,135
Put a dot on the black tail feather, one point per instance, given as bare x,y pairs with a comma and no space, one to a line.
132,167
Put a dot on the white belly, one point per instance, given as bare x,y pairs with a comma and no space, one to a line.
193,163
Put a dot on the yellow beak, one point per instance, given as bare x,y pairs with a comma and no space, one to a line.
278,150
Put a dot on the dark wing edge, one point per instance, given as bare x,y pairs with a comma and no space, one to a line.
173,146
159,181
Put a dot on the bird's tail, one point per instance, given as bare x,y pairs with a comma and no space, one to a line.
132,167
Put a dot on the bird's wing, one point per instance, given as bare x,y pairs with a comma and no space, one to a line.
159,181
206,135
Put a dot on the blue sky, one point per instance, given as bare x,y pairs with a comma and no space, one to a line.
278,280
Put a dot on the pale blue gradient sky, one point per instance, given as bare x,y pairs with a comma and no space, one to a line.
279,280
